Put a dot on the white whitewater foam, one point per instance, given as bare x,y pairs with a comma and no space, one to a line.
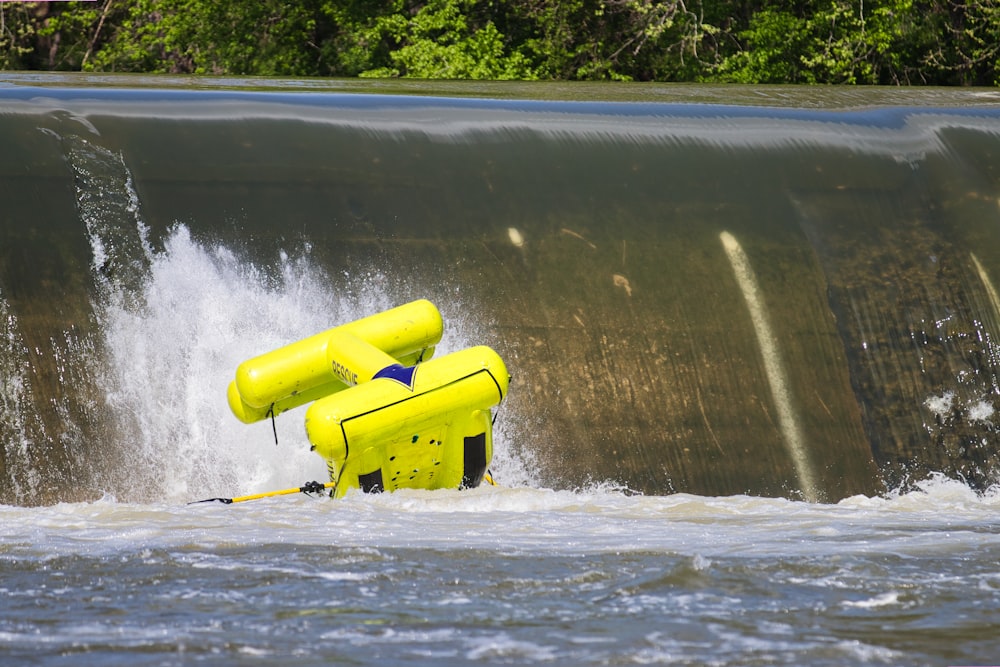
169,361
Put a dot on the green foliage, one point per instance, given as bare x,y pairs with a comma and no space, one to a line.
774,43
832,41
767,41
53,36
968,48
18,33
355,43
617,39
443,40
265,37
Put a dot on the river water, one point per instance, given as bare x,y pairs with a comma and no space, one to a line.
510,575
146,254
515,574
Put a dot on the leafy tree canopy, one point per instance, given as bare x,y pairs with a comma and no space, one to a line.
942,42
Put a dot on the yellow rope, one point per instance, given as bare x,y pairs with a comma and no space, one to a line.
312,487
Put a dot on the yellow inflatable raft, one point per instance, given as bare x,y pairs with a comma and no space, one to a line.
384,415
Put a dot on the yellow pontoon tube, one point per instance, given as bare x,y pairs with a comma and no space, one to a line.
426,426
383,417
299,373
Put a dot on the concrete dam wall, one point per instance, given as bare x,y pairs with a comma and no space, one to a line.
695,291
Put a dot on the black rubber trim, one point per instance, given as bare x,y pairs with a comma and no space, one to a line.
475,461
372,482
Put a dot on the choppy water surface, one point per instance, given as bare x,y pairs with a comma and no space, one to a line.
506,576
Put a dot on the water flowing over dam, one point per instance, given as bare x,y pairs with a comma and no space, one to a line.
781,292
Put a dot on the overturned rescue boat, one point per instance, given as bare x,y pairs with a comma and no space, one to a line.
384,415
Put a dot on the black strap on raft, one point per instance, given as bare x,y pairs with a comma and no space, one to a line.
274,426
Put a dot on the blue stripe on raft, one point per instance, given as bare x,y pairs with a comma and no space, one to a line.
400,373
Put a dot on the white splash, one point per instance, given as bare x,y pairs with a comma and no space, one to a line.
941,406
17,421
980,411
169,361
